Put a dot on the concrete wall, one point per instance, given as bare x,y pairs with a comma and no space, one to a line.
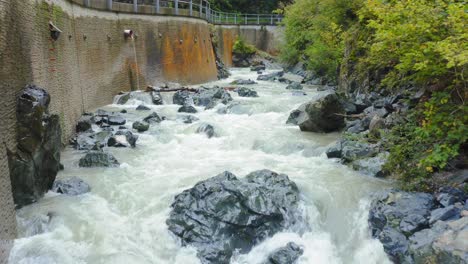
265,38
87,65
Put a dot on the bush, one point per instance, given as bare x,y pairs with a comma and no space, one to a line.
434,134
242,48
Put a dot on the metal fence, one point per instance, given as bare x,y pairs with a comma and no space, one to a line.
191,8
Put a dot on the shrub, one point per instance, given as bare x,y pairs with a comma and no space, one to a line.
242,48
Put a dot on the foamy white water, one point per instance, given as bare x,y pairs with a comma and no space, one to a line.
122,220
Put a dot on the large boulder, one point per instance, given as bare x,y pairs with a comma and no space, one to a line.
243,82
209,97
182,97
322,115
294,86
71,186
206,129
271,76
140,126
246,92
394,216
84,124
187,109
223,214
288,254
98,159
36,161
153,118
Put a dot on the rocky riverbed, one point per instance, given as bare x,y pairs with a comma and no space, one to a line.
139,184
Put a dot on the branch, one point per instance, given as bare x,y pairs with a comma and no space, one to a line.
154,89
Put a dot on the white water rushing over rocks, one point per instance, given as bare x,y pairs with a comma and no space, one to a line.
122,219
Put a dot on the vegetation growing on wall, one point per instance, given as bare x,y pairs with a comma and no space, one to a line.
248,6
240,47
387,46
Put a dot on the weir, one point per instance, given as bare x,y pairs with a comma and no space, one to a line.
89,60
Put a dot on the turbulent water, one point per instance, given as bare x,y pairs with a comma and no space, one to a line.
122,220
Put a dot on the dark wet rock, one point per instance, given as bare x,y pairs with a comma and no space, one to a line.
372,166
246,92
153,118
358,125
211,97
412,223
242,60
442,214
102,113
334,151
122,127
117,142
243,82
447,196
348,106
187,109
354,150
187,119
142,108
84,124
223,214
321,115
361,102
140,126
294,86
293,117
206,129
71,186
85,141
271,76
395,244
394,216
390,207
36,160
182,97
116,120
130,137
108,129
285,255
123,111
156,98
98,159
256,68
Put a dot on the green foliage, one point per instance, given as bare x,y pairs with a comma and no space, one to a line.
418,41
242,48
391,44
314,33
433,135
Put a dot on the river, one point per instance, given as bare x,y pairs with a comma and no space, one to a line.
122,219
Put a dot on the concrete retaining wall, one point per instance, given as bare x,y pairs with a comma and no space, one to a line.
89,64
265,38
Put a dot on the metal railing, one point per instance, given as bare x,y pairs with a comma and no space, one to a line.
190,8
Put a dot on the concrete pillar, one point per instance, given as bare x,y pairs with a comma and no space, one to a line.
176,6
158,6
109,5
200,10
135,6
258,19
191,7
